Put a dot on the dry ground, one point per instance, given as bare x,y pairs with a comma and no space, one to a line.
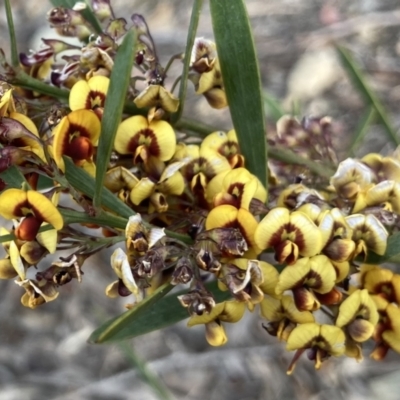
44,354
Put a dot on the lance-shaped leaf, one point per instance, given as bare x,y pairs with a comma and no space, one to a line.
359,80
11,31
114,104
241,77
154,313
194,21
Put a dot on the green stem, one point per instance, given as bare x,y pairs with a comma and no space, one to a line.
102,219
171,60
11,31
186,124
147,376
289,157
194,22
24,80
11,236
177,80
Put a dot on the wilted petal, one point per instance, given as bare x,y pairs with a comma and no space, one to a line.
16,260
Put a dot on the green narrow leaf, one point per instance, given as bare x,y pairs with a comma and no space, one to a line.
362,129
272,107
194,22
113,328
154,313
85,183
358,78
392,252
113,107
11,32
242,83
87,13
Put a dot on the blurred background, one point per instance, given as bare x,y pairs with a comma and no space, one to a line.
43,352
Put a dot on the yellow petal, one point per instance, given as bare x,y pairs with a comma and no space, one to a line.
392,336
371,311
128,278
247,225
348,309
240,184
45,209
112,290
206,82
216,98
302,336
7,271
48,239
168,101
215,185
29,143
309,239
271,276
87,123
270,226
271,309
396,287
119,178
335,338
32,252
220,217
215,334
142,190
213,162
293,275
11,202
214,141
157,136
321,267
174,185
16,260
126,133
293,314
79,123
207,318
157,96
78,96
233,311
374,279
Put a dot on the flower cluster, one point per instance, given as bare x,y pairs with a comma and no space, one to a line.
305,252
